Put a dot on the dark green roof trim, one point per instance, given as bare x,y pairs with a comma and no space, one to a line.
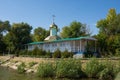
66,39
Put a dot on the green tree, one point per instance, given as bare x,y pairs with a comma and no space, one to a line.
109,30
75,29
4,27
40,34
18,36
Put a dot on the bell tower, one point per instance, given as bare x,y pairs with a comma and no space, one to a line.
53,32
53,28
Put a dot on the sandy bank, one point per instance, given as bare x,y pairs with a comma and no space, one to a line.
16,61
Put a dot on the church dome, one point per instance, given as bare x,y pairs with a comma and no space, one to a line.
53,25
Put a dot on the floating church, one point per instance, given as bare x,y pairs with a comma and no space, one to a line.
54,42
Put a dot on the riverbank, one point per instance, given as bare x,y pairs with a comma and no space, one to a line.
16,61
80,67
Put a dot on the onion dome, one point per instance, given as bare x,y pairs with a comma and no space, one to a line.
53,25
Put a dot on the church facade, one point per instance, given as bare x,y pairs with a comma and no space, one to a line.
54,42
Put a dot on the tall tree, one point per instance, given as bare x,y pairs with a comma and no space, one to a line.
4,27
109,31
18,35
75,29
40,34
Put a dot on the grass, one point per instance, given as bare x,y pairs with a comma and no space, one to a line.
73,68
21,68
69,69
45,70
31,64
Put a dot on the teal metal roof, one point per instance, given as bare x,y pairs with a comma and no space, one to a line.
36,43
66,39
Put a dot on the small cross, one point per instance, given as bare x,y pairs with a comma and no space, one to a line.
53,18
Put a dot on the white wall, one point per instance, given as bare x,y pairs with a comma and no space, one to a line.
71,46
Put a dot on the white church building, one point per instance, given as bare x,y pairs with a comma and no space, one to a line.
54,42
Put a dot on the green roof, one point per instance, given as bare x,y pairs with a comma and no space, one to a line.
66,39
36,43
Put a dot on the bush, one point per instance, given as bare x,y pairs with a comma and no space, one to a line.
102,70
17,53
32,64
107,72
21,68
35,51
45,70
117,52
66,54
23,52
57,54
29,53
110,71
48,54
88,54
69,69
93,67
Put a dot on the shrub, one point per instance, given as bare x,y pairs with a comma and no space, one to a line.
45,70
17,53
23,52
105,74
108,71
117,52
29,53
88,54
66,54
21,68
57,54
35,51
32,64
48,54
69,69
93,67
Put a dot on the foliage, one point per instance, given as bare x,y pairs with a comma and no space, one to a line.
73,68
23,52
40,34
19,34
32,64
45,70
75,29
66,54
69,69
93,67
21,68
48,54
109,32
90,49
102,70
4,27
109,71
117,52
88,54
36,51
57,54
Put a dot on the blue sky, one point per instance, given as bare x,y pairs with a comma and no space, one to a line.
39,12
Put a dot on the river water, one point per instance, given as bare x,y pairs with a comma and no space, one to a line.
10,74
